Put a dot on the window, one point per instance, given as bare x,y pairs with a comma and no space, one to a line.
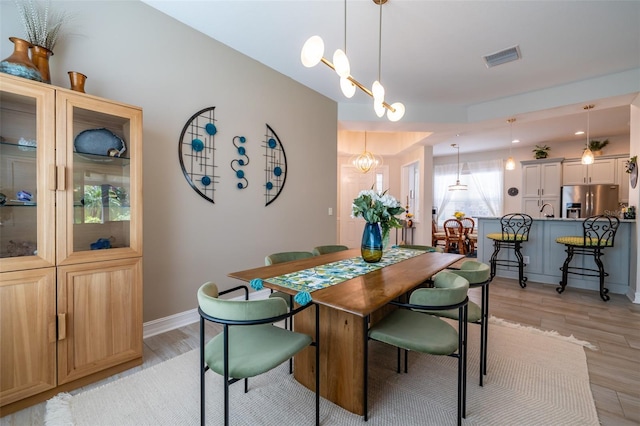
483,196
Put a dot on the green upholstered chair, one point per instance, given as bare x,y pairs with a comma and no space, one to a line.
515,231
598,233
286,256
250,344
479,275
318,250
409,329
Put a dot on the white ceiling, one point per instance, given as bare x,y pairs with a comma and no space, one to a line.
573,53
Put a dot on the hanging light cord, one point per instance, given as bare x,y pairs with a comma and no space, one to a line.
380,43
345,27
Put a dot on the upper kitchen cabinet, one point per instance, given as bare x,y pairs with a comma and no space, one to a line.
541,183
603,170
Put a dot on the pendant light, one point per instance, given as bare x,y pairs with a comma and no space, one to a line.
511,164
587,155
313,53
458,186
366,161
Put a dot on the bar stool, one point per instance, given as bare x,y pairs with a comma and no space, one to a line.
515,231
598,232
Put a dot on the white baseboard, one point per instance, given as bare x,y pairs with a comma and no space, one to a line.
161,325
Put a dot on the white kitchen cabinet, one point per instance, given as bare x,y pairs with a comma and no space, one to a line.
541,183
622,179
603,170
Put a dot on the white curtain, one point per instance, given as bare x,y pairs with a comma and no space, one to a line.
443,176
488,179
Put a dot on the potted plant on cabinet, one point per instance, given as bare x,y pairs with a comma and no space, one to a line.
541,151
596,146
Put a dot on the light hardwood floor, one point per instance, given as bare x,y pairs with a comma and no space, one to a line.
614,327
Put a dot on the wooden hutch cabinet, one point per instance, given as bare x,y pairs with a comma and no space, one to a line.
70,240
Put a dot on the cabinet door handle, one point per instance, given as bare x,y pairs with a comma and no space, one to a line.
61,178
62,326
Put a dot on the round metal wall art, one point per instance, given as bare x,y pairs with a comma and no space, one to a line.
196,151
275,166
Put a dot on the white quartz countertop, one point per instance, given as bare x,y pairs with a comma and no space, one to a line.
546,219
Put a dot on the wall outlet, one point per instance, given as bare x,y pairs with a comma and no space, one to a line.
330,211
526,260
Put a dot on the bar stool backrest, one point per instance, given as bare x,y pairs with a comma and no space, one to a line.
600,231
516,226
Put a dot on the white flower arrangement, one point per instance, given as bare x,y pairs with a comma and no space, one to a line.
378,208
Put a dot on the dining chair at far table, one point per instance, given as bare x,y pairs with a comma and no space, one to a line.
412,330
437,236
470,234
250,344
331,248
454,236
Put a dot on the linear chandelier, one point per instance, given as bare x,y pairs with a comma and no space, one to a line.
313,53
458,186
587,155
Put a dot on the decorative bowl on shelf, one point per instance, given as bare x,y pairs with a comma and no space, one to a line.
99,142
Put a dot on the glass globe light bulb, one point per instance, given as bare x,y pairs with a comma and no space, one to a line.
312,51
341,63
348,88
378,92
398,114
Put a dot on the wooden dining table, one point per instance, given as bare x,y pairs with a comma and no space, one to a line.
344,308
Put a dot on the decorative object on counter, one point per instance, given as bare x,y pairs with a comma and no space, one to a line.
42,28
379,210
275,166
77,80
21,248
541,151
24,196
458,215
587,155
408,216
631,167
19,63
98,142
242,151
629,212
3,199
196,152
596,147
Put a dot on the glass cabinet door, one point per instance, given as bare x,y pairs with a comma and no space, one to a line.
27,175
99,141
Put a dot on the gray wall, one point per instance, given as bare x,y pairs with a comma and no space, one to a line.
134,54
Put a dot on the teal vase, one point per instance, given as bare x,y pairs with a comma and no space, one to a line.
371,248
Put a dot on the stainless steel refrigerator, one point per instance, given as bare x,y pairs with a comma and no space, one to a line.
589,200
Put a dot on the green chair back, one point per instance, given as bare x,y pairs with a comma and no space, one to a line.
318,250
286,256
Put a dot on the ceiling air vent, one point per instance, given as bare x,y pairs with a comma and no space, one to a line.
502,57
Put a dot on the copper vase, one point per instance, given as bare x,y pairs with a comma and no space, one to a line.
19,63
77,81
40,58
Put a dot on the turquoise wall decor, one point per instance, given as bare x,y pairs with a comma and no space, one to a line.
275,166
238,142
196,151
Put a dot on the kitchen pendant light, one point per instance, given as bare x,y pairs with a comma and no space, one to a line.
458,186
511,164
587,155
313,53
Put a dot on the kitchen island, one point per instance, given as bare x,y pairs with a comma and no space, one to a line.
544,257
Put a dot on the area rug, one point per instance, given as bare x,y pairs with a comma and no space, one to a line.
534,378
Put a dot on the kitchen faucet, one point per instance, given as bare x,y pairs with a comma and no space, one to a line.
552,210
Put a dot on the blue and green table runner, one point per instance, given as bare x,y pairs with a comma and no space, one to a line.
323,276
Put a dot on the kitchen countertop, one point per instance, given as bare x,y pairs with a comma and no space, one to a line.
582,219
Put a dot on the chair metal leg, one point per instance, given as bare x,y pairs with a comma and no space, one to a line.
317,307
565,270
202,371
226,374
521,278
494,258
290,329
601,273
